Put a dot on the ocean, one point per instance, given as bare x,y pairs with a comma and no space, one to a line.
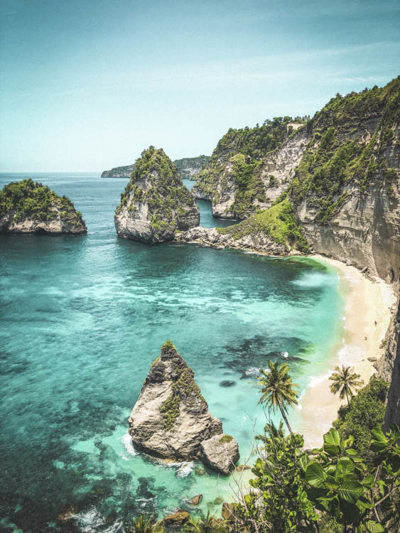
81,320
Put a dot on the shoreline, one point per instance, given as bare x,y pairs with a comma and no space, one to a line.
369,305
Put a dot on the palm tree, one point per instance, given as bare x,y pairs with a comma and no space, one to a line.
277,388
344,381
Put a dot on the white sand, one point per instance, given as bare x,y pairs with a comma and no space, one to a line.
367,302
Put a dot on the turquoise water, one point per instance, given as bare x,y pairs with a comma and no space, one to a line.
82,318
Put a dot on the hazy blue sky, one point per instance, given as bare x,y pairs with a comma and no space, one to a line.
87,84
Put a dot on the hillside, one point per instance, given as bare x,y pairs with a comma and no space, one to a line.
250,167
338,174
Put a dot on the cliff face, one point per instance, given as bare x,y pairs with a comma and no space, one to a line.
155,203
251,167
346,187
29,207
171,419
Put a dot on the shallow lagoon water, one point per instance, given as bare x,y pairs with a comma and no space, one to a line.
81,320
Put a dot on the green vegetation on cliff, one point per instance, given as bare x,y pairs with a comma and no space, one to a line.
278,222
347,149
236,162
156,182
27,199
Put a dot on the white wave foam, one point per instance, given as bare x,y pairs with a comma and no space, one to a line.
316,380
185,469
313,279
252,372
127,442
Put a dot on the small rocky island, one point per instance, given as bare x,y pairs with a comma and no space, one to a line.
155,204
171,420
30,207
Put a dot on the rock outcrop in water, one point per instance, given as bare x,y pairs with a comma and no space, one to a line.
171,419
30,207
155,204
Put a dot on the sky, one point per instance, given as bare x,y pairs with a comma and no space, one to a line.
86,85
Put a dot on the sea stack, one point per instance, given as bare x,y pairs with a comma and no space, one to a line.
30,207
171,419
155,203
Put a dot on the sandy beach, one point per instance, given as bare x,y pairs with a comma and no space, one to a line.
369,304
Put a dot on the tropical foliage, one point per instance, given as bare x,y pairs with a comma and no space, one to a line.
28,199
277,389
279,222
345,381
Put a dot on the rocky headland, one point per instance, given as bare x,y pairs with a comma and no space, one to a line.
155,204
170,419
30,207
328,185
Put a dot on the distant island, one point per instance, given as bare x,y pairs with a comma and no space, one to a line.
188,168
30,207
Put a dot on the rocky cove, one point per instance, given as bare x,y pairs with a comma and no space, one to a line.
64,328
359,225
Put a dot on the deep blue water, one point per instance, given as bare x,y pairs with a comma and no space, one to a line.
81,320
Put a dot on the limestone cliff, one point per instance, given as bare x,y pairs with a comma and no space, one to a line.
251,167
30,207
155,203
171,419
346,187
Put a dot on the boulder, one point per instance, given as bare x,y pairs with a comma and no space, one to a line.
176,519
196,500
220,453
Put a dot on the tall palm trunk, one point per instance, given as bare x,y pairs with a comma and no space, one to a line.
285,418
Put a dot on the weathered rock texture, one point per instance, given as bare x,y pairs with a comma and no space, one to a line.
220,453
250,168
389,369
213,238
30,207
170,418
155,203
346,188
